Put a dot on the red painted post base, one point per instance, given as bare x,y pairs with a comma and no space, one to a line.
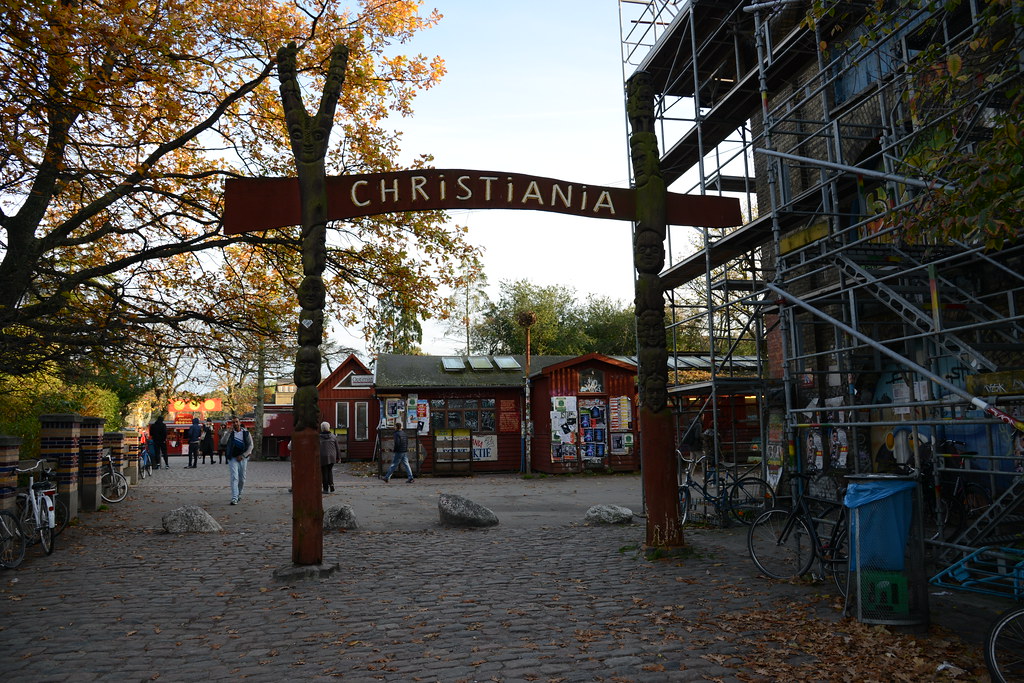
661,490
307,499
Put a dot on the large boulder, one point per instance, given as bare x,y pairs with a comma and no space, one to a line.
608,514
340,517
459,511
190,519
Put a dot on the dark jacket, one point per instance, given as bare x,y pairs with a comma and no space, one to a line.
158,430
401,441
195,432
232,450
328,449
207,441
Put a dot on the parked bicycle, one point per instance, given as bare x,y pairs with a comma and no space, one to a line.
146,455
741,497
955,501
24,514
39,517
1004,647
113,484
12,541
784,544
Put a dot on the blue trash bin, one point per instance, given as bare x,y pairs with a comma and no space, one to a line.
886,564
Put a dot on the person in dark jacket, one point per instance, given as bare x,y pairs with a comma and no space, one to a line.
328,456
206,443
195,435
158,433
239,447
401,454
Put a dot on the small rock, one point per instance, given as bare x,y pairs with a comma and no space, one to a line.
459,511
340,517
608,514
190,519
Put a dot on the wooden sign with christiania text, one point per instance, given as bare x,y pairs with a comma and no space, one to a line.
253,204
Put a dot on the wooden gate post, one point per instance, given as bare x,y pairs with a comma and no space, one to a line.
657,447
309,138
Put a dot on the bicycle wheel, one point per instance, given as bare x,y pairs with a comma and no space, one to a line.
781,544
46,535
1004,647
142,470
12,542
60,511
836,549
684,505
749,498
27,521
976,501
113,487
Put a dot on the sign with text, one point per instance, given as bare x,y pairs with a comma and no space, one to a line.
253,204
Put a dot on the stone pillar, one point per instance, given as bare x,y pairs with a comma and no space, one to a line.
131,452
115,441
90,450
10,448
58,442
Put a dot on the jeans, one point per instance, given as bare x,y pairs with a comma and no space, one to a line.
236,468
399,460
193,453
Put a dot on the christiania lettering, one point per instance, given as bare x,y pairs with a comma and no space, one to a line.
503,192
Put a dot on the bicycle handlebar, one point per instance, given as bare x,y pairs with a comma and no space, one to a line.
34,467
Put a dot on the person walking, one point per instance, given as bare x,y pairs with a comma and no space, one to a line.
158,433
206,443
239,447
222,442
195,434
401,454
328,456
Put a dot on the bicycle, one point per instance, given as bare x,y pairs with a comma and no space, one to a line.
146,460
39,515
744,497
785,543
999,571
60,510
1004,647
113,484
12,541
955,501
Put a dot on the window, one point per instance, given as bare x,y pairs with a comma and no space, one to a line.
591,381
341,414
362,421
476,414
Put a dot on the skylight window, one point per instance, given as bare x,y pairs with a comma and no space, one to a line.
507,363
453,363
480,363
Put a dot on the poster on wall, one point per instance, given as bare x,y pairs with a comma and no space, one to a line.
508,416
485,447
618,443
417,415
593,425
620,413
775,452
564,421
393,409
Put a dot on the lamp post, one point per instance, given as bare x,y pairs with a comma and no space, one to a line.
527,319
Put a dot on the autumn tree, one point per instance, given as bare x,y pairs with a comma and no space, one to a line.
120,122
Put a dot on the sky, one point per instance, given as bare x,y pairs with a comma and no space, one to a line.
532,87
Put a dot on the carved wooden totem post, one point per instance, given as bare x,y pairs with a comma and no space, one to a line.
309,138
656,429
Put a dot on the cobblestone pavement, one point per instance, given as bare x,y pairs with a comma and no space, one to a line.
539,597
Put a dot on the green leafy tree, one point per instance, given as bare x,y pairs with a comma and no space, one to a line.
564,326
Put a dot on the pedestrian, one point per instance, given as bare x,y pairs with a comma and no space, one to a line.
328,456
206,444
401,453
238,449
195,435
158,433
222,442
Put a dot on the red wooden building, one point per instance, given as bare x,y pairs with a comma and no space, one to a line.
583,413
348,403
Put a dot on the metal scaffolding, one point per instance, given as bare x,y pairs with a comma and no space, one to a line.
873,352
